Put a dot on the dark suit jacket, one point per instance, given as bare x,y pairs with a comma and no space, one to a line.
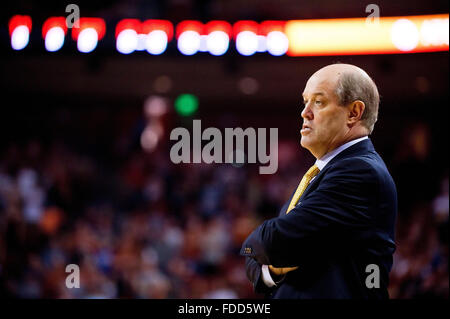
344,221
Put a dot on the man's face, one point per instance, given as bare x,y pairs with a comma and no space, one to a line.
324,121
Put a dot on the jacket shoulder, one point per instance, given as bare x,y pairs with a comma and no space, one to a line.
364,166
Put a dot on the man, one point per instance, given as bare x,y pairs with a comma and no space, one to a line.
335,237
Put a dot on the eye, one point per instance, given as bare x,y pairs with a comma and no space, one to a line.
318,102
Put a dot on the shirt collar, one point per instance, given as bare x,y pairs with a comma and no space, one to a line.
320,163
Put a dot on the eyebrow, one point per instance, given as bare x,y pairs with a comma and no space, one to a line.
315,94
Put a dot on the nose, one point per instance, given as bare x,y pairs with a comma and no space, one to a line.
307,113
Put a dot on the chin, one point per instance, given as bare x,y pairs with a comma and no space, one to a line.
304,142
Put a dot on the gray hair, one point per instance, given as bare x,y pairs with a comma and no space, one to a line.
353,86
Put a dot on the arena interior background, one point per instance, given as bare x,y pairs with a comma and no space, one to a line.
84,178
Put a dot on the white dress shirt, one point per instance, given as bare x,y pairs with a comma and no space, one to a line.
320,163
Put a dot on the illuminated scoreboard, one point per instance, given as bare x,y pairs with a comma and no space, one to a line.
314,37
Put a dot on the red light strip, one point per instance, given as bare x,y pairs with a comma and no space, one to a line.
306,37
96,23
163,25
19,20
218,25
52,23
245,25
190,25
133,24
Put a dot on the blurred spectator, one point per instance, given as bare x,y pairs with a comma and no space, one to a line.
141,227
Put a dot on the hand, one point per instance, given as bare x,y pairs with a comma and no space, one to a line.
282,270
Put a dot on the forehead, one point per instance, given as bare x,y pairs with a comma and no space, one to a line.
321,82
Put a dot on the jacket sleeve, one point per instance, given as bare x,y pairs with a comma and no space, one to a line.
253,270
334,217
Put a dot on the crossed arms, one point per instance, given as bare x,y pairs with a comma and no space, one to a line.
335,217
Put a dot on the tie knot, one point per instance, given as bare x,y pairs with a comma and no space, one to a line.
313,171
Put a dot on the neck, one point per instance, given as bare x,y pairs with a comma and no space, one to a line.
349,136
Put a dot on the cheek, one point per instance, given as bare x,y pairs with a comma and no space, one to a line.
328,124
332,119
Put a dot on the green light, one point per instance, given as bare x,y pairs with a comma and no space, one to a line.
186,104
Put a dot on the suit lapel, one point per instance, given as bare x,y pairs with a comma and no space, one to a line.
307,190
356,149
313,184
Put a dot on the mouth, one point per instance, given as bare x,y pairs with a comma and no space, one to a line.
305,129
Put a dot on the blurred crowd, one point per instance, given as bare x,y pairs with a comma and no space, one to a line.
139,226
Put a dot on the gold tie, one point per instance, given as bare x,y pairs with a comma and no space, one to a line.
313,171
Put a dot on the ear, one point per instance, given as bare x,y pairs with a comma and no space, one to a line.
355,112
